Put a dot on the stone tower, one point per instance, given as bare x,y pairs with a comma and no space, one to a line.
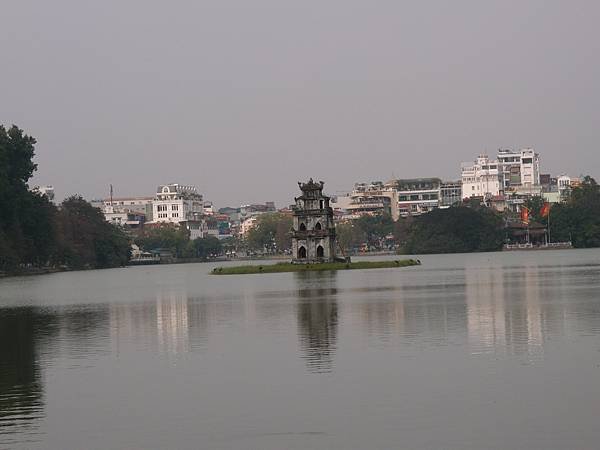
313,238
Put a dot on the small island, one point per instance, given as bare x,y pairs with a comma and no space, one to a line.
313,267
313,241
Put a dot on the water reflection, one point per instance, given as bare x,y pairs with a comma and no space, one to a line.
317,313
21,387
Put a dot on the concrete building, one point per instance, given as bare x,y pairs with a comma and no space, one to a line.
175,203
131,212
247,225
416,195
511,172
372,199
313,235
201,228
481,178
518,168
450,193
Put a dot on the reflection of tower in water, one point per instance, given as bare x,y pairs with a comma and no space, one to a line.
317,319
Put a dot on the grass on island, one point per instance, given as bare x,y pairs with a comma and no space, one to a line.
318,267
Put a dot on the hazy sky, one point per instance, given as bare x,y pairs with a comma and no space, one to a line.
244,98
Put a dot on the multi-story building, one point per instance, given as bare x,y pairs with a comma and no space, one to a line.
450,193
131,212
511,172
175,203
519,168
481,178
371,199
417,195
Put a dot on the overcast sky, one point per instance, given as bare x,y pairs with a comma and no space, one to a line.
244,98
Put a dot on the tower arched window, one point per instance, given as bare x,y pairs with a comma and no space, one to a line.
320,251
302,252
302,227
318,226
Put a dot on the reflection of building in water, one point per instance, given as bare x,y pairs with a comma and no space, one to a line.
504,311
317,319
172,323
162,325
412,312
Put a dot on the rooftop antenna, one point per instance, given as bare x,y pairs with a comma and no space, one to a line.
111,195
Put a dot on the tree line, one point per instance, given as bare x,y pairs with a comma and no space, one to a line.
36,233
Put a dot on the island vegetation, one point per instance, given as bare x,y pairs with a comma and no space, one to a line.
316,267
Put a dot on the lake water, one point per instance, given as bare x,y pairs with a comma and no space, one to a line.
482,351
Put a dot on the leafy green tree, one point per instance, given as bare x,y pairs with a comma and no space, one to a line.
578,220
535,205
350,236
86,239
26,223
375,228
456,230
205,247
167,236
272,231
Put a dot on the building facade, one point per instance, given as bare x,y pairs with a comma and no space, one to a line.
372,199
175,203
416,196
313,233
518,168
450,193
481,178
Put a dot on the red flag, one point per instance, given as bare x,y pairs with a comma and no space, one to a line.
525,215
545,211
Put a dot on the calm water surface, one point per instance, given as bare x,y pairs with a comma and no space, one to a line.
488,351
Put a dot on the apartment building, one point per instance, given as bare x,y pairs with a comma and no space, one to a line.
416,195
175,203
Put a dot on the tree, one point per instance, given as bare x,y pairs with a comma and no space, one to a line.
578,220
205,247
272,231
534,205
375,228
166,236
349,236
26,222
455,230
86,239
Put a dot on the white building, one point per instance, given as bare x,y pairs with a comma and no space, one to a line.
202,228
247,225
175,203
369,199
520,168
125,211
480,178
416,195
512,172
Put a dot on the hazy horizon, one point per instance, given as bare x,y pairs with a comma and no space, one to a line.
244,99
